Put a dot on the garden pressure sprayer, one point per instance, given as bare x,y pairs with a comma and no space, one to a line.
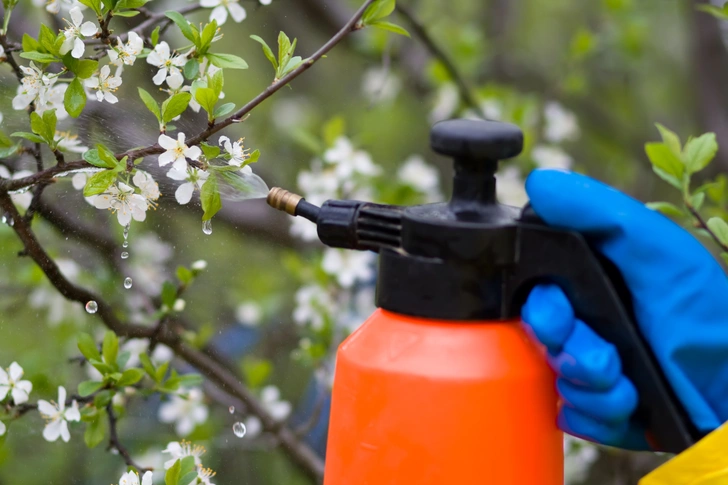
441,385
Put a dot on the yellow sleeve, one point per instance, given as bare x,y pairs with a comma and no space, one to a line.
705,463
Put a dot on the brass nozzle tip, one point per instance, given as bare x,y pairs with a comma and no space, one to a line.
283,200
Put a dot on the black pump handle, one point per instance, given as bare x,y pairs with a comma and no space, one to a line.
602,300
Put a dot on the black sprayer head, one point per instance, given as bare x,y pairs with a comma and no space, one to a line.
472,259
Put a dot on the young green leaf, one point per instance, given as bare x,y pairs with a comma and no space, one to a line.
184,275
50,120
30,44
226,61
207,99
669,178
28,136
183,24
39,57
284,47
38,125
670,139
147,365
47,39
217,81
127,13
187,465
86,388
88,347
96,430
666,208
161,371
75,98
175,106
110,348
190,380
173,474
107,155
662,157
389,26
95,5
210,197
99,183
92,157
102,399
155,36
717,12
150,103
169,294
224,109
267,51
211,151
696,200
128,4
206,36
699,152
253,158
130,377
191,69
719,227
378,10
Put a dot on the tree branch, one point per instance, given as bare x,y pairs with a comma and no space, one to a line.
704,225
115,443
466,94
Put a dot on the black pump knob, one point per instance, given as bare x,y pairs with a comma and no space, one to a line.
476,140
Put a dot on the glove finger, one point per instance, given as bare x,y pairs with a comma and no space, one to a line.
623,435
613,406
587,360
549,316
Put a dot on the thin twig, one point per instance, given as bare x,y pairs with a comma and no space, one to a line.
115,443
704,225
466,94
9,57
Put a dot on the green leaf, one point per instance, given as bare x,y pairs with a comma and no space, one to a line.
389,26
5,141
126,4
39,57
670,139
717,12
92,157
150,103
183,24
161,371
50,120
207,99
699,152
30,44
173,474
192,68
662,157
190,380
38,125
175,106
169,294
187,465
224,109
130,377
184,275
256,371
7,152
208,33
86,388
210,151
378,10
88,347
123,359
719,227
99,183
96,430
86,68
101,366
284,47
75,98
128,13
95,5
210,197
253,158
266,50
226,61
107,155
47,39
28,136
147,365
670,179
186,478
217,81
696,200
666,208
103,398
155,36
110,348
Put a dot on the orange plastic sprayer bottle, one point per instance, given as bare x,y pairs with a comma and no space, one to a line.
441,385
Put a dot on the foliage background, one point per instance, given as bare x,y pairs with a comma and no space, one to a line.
619,65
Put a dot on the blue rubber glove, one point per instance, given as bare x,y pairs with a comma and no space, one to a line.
680,297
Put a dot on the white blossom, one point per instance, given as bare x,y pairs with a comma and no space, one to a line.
291,112
148,187
57,306
177,151
379,84
138,346
220,9
124,201
349,161
237,151
33,85
52,98
248,314
21,199
57,416
54,6
186,413
348,266
183,449
551,157
105,85
11,382
510,187
422,177
76,31
265,2
270,398
194,178
446,103
204,475
3,58
561,124
318,185
66,142
148,266
313,304
126,53
199,265
169,65
132,478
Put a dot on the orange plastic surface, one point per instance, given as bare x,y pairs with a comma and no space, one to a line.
423,402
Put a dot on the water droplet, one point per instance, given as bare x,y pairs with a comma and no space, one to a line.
124,255
92,307
231,409
207,227
127,283
125,244
126,231
239,429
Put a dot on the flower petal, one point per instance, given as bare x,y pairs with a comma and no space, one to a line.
46,409
72,413
175,174
219,14
65,434
147,478
123,215
167,142
110,98
3,428
237,12
76,16
160,76
61,397
4,392
193,152
19,395
88,29
52,430
210,3
16,372
183,194
78,48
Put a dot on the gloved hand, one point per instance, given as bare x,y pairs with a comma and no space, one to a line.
680,296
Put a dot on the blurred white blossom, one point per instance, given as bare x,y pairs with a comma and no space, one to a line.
312,303
348,266
560,124
422,177
58,307
349,161
147,267
579,456
379,84
270,398
132,478
69,143
291,112
447,100
57,416
551,157
11,382
185,412
248,314
511,189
